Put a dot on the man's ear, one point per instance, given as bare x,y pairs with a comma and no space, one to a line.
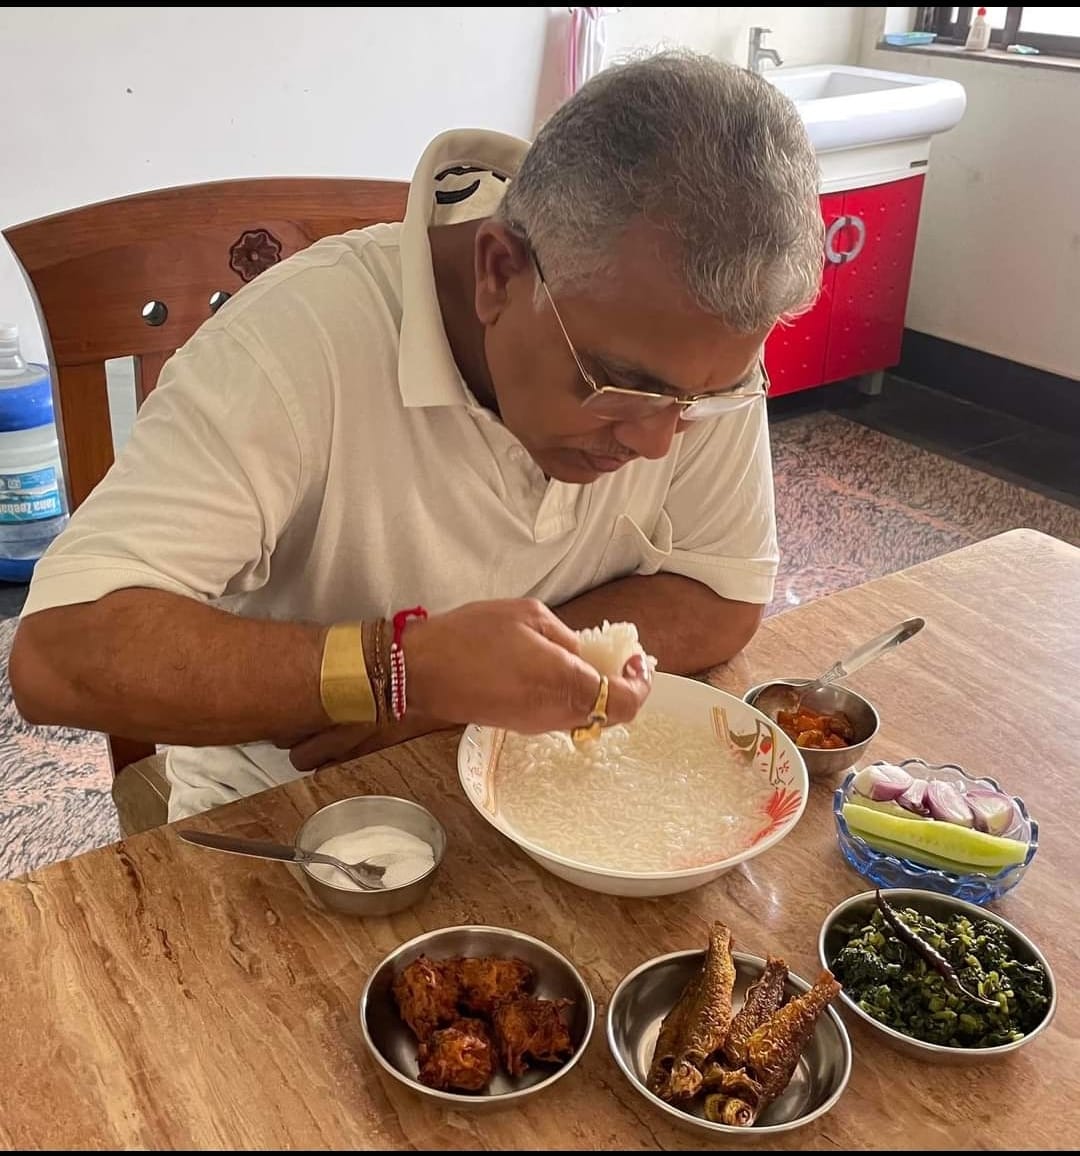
502,265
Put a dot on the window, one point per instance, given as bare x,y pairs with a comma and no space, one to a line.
1052,30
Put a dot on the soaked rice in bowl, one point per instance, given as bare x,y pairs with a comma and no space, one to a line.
658,795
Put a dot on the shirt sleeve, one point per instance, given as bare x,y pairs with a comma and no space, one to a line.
721,507
198,497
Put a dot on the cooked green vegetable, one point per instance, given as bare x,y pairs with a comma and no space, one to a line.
896,985
932,956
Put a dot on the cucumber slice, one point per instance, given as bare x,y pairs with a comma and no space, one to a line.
959,845
922,858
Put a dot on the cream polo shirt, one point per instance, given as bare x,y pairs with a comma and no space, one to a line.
313,453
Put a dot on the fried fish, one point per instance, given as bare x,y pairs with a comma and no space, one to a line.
762,999
772,1054
697,1026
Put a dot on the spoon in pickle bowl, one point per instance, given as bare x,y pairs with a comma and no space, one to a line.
366,874
789,694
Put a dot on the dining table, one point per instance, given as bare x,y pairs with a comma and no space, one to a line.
155,995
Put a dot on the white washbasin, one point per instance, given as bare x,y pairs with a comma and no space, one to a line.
846,107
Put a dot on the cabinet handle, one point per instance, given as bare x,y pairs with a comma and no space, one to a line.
833,255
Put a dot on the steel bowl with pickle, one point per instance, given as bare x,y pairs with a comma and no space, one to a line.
832,733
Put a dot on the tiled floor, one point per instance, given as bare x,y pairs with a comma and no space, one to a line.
853,503
1027,454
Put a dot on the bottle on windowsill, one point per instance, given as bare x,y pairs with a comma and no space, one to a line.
978,37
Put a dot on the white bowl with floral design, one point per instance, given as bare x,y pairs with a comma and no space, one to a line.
748,743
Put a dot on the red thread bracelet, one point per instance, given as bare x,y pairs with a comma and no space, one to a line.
397,660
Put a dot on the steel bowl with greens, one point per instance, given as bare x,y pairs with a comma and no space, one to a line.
944,974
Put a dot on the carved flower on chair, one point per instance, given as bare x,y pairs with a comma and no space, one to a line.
254,253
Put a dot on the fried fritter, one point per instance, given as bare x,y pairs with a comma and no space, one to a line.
528,1028
488,980
460,1057
427,993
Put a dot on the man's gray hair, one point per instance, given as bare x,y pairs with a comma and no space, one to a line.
713,155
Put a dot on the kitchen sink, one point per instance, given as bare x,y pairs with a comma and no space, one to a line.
847,107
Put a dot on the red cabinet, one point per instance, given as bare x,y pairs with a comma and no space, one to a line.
857,323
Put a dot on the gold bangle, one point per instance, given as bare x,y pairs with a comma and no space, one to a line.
344,684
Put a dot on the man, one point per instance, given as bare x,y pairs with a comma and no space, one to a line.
543,385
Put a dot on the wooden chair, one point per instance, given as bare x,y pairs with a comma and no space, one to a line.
136,277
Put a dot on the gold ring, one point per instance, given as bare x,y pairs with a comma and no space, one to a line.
597,717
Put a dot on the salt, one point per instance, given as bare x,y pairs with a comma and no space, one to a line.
405,857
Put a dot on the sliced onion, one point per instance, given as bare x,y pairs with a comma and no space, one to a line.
914,798
993,812
947,804
883,783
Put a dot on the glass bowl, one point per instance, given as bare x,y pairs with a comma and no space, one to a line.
890,870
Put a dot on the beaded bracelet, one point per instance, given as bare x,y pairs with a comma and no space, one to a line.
398,702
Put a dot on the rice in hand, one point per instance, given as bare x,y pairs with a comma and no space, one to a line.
610,647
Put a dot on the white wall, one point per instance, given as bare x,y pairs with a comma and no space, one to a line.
103,102
998,261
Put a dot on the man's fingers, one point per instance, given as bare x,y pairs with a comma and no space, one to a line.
626,694
330,746
638,666
554,629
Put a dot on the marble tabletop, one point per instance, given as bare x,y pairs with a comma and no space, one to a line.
157,996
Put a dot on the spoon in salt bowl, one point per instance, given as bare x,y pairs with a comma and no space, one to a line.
786,694
366,874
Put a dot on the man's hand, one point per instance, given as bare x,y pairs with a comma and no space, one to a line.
341,743
149,664
511,664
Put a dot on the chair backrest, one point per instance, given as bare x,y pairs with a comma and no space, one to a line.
135,277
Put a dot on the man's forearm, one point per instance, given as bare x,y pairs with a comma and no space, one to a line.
683,624
155,666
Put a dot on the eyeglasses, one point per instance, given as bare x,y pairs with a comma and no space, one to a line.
618,403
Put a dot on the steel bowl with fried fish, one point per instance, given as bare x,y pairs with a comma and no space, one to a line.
740,1062
459,1058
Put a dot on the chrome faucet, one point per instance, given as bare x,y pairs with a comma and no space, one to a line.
757,54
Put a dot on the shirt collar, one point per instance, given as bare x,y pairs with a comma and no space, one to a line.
427,372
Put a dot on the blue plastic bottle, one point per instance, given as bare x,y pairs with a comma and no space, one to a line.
33,509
